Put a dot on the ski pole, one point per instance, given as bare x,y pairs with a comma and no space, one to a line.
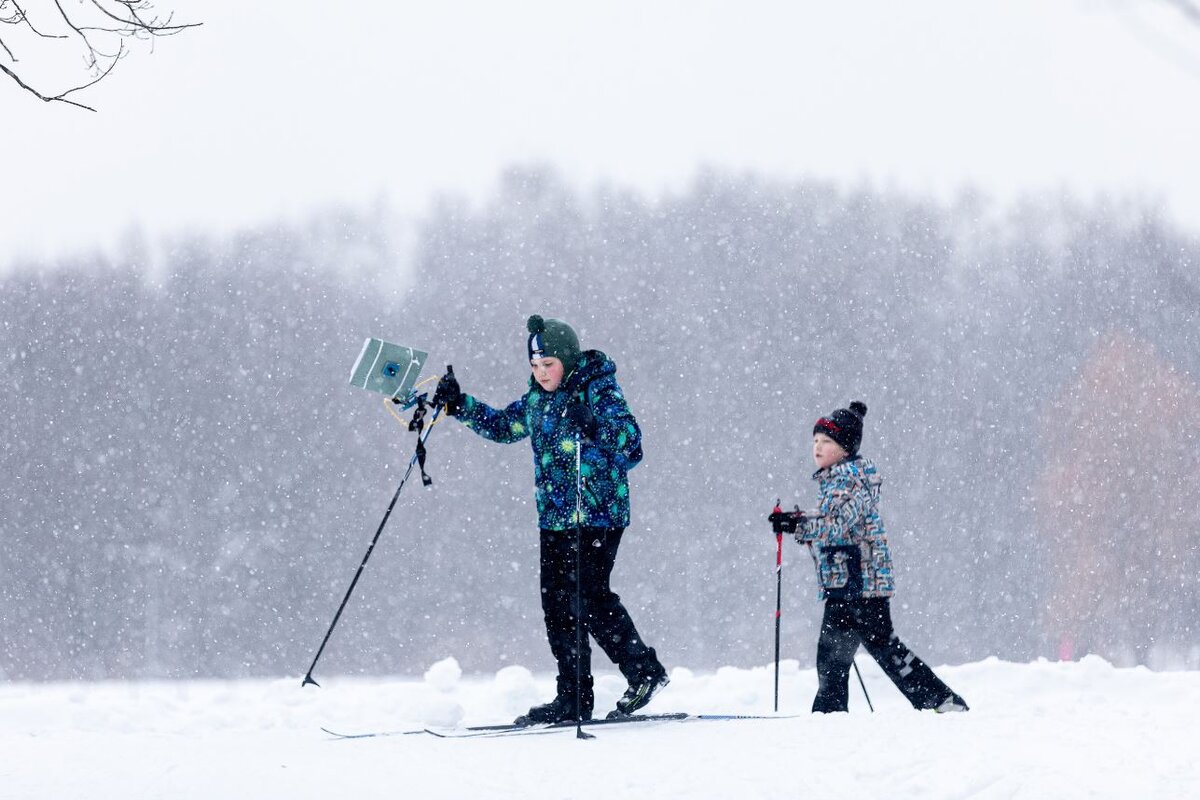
864,686
418,456
778,599
813,553
579,732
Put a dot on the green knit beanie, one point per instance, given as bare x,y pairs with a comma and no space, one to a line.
553,338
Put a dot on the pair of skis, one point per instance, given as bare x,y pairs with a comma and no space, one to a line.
480,731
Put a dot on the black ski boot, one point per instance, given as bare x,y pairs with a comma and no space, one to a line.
951,704
640,692
560,709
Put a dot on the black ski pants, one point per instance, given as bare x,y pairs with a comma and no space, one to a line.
868,621
605,618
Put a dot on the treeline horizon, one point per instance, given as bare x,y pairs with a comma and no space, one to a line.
191,481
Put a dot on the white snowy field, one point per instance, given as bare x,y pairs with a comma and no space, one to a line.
1060,730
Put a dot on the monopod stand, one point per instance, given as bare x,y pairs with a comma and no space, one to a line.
418,457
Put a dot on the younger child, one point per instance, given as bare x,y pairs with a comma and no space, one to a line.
854,569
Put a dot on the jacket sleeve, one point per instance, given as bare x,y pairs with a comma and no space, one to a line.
843,505
505,426
617,433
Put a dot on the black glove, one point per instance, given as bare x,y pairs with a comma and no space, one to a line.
448,394
581,415
785,521
782,522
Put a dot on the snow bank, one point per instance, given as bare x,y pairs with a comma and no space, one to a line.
1066,730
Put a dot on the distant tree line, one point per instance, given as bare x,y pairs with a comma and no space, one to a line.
190,482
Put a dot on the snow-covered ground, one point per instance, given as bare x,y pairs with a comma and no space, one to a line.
1057,730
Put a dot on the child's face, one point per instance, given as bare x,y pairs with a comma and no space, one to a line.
826,452
548,372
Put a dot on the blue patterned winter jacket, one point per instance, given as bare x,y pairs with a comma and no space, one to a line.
606,459
846,535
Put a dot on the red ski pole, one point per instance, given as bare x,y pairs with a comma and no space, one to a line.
778,596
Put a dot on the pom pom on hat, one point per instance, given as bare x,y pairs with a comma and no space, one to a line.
859,407
536,324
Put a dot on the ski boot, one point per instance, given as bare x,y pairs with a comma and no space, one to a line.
560,709
640,692
951,704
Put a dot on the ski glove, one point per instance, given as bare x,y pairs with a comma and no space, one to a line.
581,415
786,521
448,394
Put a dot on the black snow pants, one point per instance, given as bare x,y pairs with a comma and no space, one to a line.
604,618
868,621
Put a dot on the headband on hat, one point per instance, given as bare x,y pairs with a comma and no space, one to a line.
844,426
553,338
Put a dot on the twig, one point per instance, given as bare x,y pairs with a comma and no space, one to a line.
23,16
153,26
59,98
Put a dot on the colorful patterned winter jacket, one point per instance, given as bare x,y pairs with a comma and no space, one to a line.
540,415
846,534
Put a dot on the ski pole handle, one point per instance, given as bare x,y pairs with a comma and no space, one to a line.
448,395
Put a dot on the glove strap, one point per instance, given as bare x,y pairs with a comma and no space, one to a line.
418,425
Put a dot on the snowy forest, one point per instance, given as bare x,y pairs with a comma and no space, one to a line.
189,482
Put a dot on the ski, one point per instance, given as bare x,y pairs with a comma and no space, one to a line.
371,734
506,730
477,731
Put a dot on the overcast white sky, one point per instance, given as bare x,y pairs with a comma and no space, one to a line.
278,107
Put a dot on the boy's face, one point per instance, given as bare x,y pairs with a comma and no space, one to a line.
826,452
548,372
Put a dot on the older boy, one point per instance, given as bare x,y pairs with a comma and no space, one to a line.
573,397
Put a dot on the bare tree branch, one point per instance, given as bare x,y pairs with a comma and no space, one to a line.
21,16
60,98
153,26
98,27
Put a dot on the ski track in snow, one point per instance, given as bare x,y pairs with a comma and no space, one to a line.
1062,730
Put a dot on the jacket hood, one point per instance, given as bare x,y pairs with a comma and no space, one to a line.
592,364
